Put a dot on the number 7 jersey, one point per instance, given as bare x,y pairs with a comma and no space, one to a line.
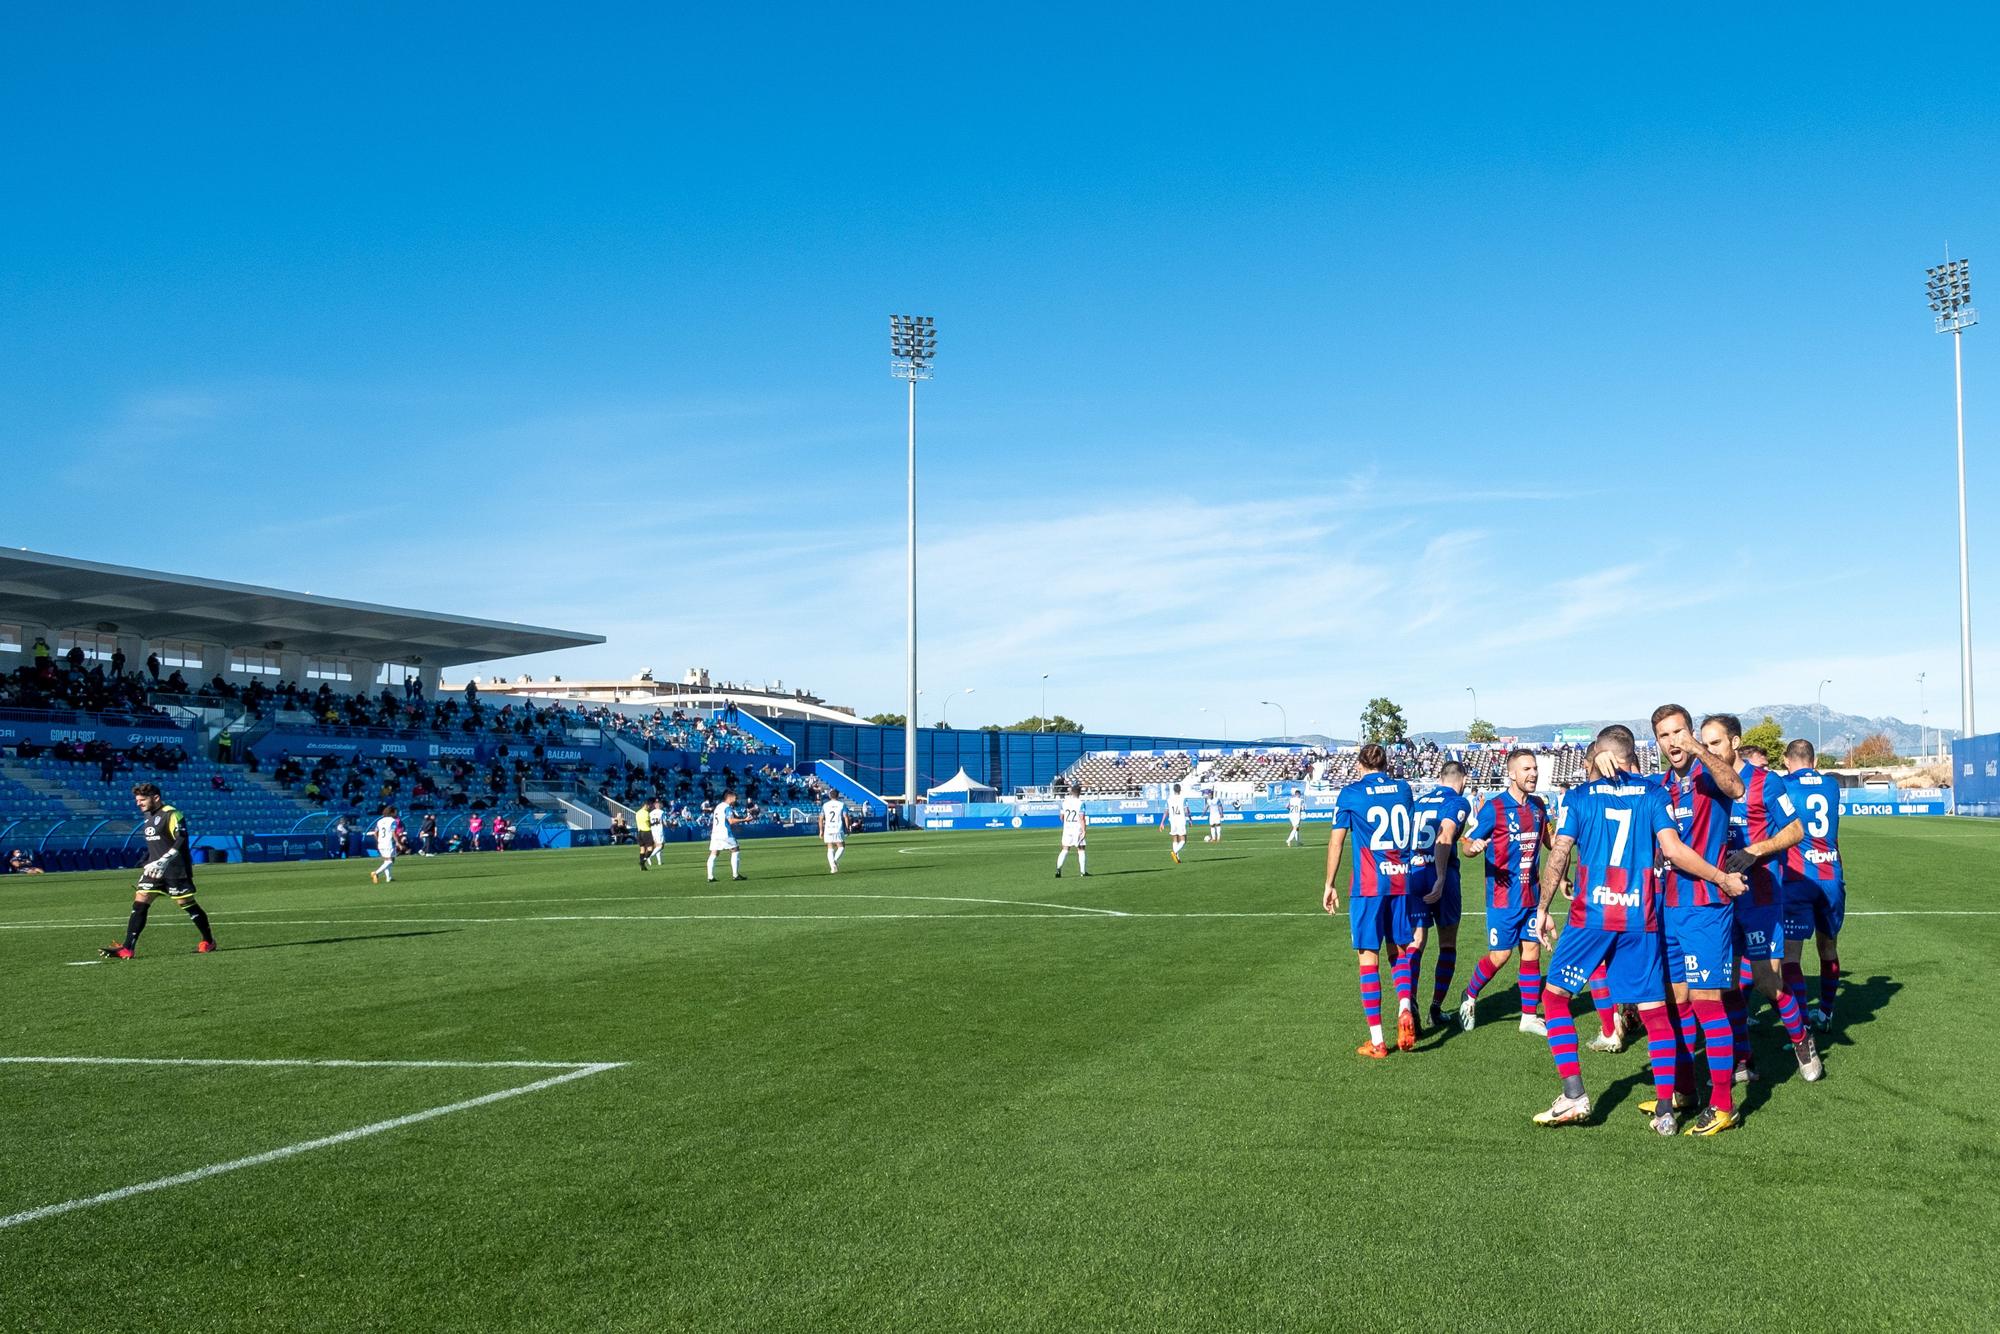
1378,812
1616,824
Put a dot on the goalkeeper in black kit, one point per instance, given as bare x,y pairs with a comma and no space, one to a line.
169,870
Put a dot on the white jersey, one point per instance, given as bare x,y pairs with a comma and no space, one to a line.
1214,809
718,829
1296,808
1073,824
833,821
385,835
1177,805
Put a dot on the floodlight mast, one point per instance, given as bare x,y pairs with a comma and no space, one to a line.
1949,287
912,344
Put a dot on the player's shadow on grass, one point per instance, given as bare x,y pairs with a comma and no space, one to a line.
343,940
1130,870
1858,1003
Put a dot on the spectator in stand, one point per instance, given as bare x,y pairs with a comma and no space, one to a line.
118,662
41,650
621,833
75,657
340,835
153,667
430,836
21,863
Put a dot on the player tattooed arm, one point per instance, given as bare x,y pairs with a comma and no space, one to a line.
1335,842
1553,867
1689,862
1721,773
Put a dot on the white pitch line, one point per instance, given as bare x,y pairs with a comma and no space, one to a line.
304,1146
292,1062
549,902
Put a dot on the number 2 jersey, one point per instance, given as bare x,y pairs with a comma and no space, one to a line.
1616,824
1817,860
1379,814
1513,833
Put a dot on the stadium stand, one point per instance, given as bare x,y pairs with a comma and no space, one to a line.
1115,775
1265,766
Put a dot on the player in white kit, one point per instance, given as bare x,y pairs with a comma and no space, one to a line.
1214,817
1074,827
659,831
384,832
1295,807
833,832
1177,816
722,839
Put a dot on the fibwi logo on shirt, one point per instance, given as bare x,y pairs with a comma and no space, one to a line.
1611,898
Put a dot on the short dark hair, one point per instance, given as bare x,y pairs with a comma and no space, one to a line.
1666,711
1374,757
388,810
1758,751
1730,723
1518,752
145,789
1801,749
1623,749
1618,732
1451,769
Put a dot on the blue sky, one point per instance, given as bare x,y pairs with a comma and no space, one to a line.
1284,354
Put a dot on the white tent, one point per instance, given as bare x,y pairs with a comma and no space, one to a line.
963,787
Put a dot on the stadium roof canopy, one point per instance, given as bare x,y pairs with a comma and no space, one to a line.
57,591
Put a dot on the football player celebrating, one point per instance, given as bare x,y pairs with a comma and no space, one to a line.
1617,823
1764,825
1815,885
1377,811
169,870
1441,815
1512,829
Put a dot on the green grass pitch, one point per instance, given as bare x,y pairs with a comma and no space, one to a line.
939,1091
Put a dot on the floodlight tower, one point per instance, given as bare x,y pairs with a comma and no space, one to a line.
1949,286
912,344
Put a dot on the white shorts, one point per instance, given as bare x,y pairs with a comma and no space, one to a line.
1178,828
833,840
1073,839
717,845
388,855
1295,820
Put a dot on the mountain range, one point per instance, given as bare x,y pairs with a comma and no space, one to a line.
1834,731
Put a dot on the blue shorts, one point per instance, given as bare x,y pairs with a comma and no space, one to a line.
1701,945
1814,907
1760,930
1446,911
1394,917
1508,927
1633,958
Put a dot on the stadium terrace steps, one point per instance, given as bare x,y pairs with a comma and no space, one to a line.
38,785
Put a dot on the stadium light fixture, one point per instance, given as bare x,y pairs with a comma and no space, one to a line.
912,345
1283,721
1949,287
1820,699
1923,719
1042,716
1475,704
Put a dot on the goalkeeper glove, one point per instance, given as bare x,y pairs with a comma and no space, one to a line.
1739,861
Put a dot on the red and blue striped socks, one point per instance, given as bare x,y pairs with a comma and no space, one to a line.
1662,1049
1600,997
1829,983
1793,1015
1371,999
1447,964
1720,1041
1795,982
1531,986
1404,974
1562,1035
1482,973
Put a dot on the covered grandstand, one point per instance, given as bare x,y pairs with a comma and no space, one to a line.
281,721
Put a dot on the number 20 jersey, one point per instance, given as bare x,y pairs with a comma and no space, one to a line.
1378,812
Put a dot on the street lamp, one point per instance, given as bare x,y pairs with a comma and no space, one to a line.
912,345
1225,722
1923,720
1283,721
1820,698
944,714
1949,287
1042,714
1475,704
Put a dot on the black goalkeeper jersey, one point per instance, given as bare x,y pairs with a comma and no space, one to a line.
167,831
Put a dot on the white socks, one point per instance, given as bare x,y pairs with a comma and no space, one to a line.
711,866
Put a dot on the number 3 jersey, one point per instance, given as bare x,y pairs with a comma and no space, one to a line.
1616,824
1817,859
1378,813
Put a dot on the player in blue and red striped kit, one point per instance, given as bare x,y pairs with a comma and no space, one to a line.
1764,825
1377,812
1617,824
1700,925
1511,830
1815,883
1441,816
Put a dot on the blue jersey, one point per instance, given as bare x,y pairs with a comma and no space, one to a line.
1817,860
1379,815
1616,824
1432,810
